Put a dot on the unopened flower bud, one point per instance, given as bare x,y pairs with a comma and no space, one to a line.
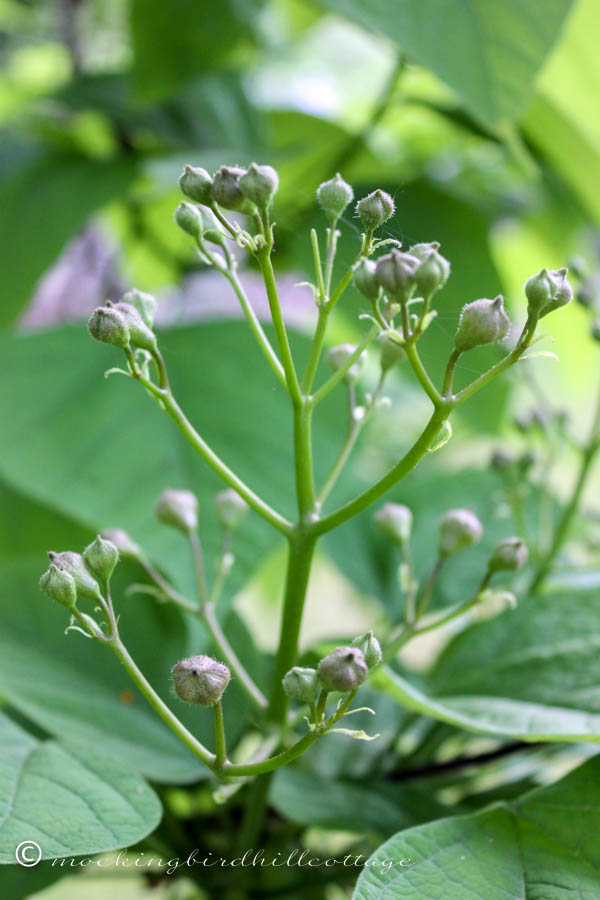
547,291
338,356
144,303
128,549
188,218
481,322
375,209
259,185
502,460
343,670
59,585
301,684
365,280
433,271
459,528
225,190
179,509
510,554
139,333
394,520
101,557
395,272
334,196
370,647
73,564
200,679
195,183
230,508
108,325
391,352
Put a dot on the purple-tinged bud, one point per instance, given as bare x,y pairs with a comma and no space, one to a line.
481,322
200,679
178,509
195,183
101,557
259,185
301,684
338,356
226,191
365,280
375,209
547,291
128,549
230,508
433,271
370,647
59,585
510,554
139,333
334,196
394,520
108,325
459,528
73,564
144,303
395,272
343,670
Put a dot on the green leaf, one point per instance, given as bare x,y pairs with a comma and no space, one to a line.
488,52
103,805
68,189
544,846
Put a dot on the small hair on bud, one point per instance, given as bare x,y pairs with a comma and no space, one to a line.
338,356
230,508
259,185
333,197
74,565
200,679
370,647
59,585
225,190
375,209
433,270
459,528
195,183
547,291
128,549
144,303
481,322
394,520
509,555
101,558
178,509
301,684
109,326
395,272
343,670
139,333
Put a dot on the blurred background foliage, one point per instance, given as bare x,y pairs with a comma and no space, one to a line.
479,116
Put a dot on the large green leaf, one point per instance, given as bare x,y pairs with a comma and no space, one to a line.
102,804
487,51
542,847
43,205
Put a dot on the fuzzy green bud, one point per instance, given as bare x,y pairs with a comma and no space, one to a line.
334,196
178,509
139,333
128,549
481,322
433,270
200,679
370,647
301,684
547,291
343,670
108,325
510,554
59,585
259,185
363,275
230,508
188,218
101,557
392,352
195,183
395,272
338,356
375,209
394,520
225,190
459,528
144,303
73,564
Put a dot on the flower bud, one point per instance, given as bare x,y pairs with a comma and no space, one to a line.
459,528
391,352
547,291
365,280
481,322
259,185
433,271
144,303
343,670
375,209
502,460
301,684
510,554
493,603
394,521
108,325
73,564
334,196
200,679
230,508
128,549
188,218
139,333
59,585
338,357
179,509
195,183
225,190
101,557
370,647
395,273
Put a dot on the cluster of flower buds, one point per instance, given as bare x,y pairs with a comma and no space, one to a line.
200,679
420,272
342,670
241,190
128,323
71,575
335,195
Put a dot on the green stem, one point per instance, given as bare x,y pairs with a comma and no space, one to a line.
421,373
199,567
220,743
231,657
314,239
511,358
315,349
332,237
449,374
425,597
337,376
266,267
256,327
